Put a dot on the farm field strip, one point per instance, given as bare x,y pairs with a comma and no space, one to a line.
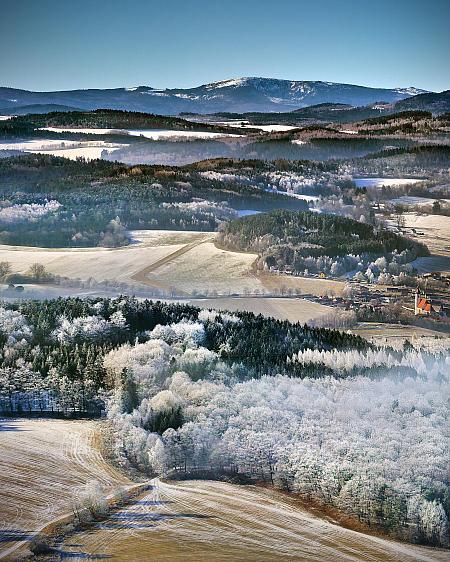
64,148
142,276
43,466
434,229
394,335
99,263
214,521
291,309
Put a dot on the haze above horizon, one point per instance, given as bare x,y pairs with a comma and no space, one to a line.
61,46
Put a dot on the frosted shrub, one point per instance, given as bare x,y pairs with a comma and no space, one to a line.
14,326
28,211
90,503
186,333
88,327
213,315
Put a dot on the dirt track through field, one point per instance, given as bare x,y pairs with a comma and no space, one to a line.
142,275
218,522
44,464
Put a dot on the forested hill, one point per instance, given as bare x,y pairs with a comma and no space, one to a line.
114,119
51,175
200,393
437,103
288,238
66,340
87,196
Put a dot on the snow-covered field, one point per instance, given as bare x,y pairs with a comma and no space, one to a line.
274,128
44,465
411,200
64,148
304,285
217,522
205,268
247,212
308,198
186,262
432,263
395,335
154,134
380,182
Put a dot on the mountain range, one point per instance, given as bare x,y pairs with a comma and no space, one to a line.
236,95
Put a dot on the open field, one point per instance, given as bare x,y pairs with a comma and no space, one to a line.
45,462
64,148
409,200
395,335
214,521
101,263
43,465
185,264
379,182
436,231
292,309
274,128
304,285
205,268
432,263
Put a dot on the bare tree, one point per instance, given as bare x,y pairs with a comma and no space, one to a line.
5,270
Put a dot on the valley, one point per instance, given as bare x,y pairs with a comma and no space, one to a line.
225,307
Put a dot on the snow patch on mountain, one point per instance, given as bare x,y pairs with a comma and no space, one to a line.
411,91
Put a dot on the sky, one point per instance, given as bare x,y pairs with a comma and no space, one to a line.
68,44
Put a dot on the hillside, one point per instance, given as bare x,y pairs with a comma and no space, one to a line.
436,103
105,118
55,202
35,108
332,112
237,95
322,112
315,243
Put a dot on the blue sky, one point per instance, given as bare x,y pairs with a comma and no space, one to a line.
67,44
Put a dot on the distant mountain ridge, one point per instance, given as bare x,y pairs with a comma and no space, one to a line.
235,95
